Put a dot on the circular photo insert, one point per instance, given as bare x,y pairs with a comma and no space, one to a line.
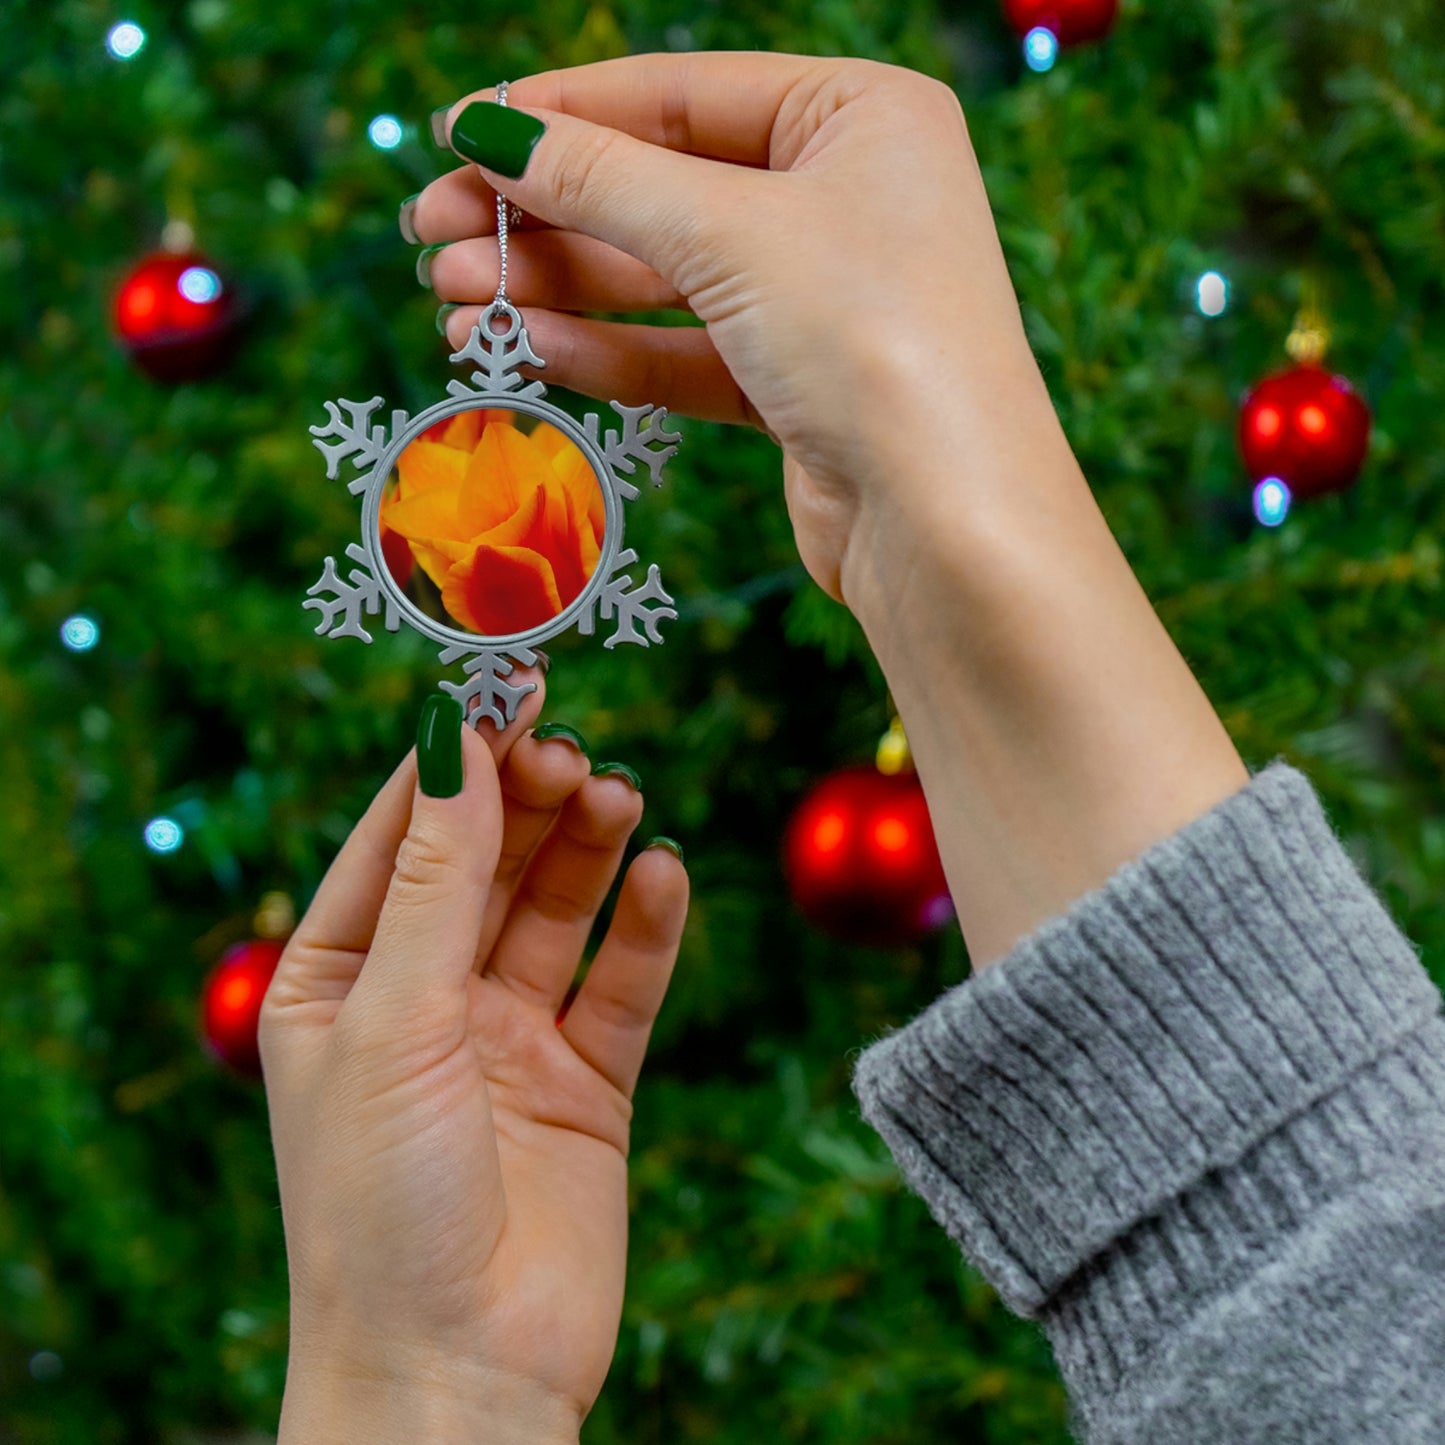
492,522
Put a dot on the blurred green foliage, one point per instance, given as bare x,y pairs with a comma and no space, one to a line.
783,1286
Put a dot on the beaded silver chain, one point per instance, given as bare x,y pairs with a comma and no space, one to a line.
501,300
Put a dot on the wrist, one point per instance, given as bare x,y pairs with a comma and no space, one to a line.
951,484
406,1395
1057,730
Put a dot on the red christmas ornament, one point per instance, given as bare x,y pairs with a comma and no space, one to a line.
1309,428
231,1003
1072,22
861,860
176,317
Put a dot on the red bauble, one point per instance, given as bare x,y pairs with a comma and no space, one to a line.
176,317
231,1003
1308,428
1073,22
861,860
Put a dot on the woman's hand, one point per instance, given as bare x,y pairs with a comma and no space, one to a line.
453,1160
827,220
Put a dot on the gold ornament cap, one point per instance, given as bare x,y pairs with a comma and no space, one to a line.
1310,339
894,755
275,916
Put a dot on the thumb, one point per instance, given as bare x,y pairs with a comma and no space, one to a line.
426,935
656,204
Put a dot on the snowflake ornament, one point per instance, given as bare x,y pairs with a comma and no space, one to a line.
492,521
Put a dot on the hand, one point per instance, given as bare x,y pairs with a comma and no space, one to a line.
826,219
452,1159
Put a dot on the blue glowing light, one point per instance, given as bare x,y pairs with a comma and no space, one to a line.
126,40
80,633
199,284
1211,294
385,132
1041,48
164,835
1271,502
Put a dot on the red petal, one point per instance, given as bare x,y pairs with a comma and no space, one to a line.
501,590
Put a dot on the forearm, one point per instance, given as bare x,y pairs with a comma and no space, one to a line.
1056,728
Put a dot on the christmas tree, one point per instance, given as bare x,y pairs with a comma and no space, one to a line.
178,743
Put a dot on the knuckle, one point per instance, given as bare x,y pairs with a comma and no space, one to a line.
425,861
579,172
620,1013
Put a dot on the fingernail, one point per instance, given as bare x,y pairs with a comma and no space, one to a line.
561,730
405,220
423,263
671,844
439,126
439,747
543,661
618,770
443,311
496,136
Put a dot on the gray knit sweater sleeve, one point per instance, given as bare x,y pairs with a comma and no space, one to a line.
1196,1127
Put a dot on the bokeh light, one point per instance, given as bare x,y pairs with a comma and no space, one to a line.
1211,294
385,132
1271,502
164,835
126,40
199,284
1041,48
80,633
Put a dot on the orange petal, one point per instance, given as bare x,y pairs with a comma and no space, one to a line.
501,590
462,431
562,529
502,474
432,560
424,465
429,514
521,529
577,476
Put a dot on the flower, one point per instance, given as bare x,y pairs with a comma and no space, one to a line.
508,526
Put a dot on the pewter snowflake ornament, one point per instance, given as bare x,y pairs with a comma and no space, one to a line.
492,521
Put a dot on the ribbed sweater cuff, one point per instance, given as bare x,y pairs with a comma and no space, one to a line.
1223,983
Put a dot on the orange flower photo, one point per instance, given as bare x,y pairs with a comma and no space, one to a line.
506,524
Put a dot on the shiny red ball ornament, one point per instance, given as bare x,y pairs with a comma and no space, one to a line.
176,316
1306,426
231,1003
861,861
1073,22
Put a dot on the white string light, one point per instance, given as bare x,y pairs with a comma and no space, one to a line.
126,40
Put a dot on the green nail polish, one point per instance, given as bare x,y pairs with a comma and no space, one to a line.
561,730
617,770
405,220
439,747
443,311
671,844
496,136
423,262
438,125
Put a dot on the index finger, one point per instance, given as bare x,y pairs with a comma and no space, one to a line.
723,105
